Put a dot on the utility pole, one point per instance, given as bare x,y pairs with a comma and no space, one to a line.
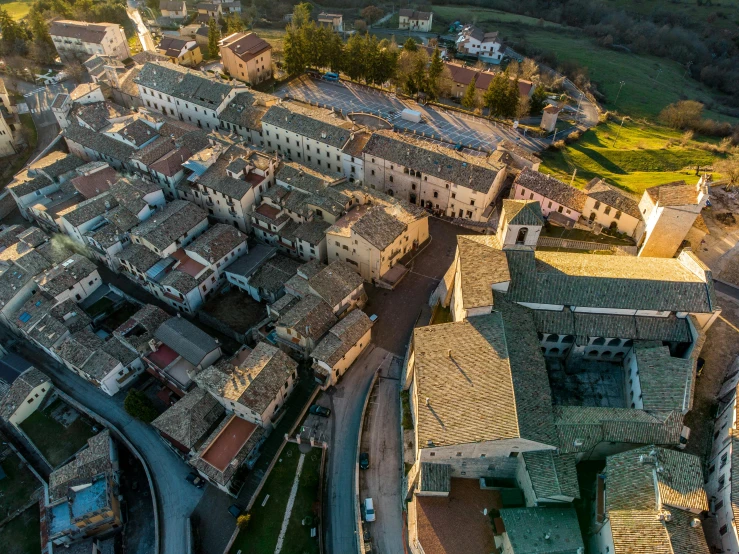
573,176
618,135
619,92
577,117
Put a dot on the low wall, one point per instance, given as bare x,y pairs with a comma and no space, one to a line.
554,242
357,511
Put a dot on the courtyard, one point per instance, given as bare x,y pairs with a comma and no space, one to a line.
58,431
583,382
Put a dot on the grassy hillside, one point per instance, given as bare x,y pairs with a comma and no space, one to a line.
634,158
17,10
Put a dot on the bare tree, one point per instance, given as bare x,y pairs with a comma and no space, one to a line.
729,168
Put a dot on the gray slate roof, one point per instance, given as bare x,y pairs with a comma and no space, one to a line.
311,317
611,196
302,121
551,188
547,530
522,212
443,163
98,142
183,83
186,339
166,226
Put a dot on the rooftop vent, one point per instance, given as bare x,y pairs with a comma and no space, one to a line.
695,522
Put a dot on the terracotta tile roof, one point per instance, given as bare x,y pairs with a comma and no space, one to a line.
95,183
310,317
245,45
87,464
216,242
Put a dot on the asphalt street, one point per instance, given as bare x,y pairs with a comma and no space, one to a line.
447,125
176,498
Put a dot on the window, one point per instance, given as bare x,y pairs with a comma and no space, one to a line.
722,530
618,215
413,187
373,172
521,237
607,210
597,206
459,454
560,209
454,195
436,195
430,453
719,505
472,202
723,459
513,455
721,481
391,178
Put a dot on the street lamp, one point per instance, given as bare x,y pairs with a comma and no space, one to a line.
619,92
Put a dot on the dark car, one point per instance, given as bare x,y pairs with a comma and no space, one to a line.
364,460
315,409
235,510
196,480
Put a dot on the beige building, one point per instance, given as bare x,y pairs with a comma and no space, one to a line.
24,396
179,51
78,40
247,57
549,118
612,209
334,21
175,9
415,21
341,347
439,179
374,237
669,212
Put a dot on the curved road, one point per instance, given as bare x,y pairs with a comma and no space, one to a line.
176,497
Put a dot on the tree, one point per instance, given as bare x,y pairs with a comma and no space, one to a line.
301,14
360,26
138,405
42,50
470,95
371,14
495,97
214,35
410,45
512,97
729,168
538,100
353,59
242,522
234,24
76,71
436,67
293,52
682,114
523,108
13,35
528,69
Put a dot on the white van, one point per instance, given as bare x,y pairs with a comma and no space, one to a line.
369,510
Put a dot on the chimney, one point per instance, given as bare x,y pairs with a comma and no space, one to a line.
428,401
449,352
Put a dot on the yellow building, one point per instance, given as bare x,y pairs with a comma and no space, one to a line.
247,57
180,51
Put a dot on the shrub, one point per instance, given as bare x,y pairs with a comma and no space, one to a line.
559,145
407,418
138,405
242,522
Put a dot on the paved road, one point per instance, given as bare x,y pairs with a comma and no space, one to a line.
382,481
346,402
398,312
176,497
726,289
447,125
143,33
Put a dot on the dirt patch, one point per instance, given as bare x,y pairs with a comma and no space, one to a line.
726,218
719,351
236,309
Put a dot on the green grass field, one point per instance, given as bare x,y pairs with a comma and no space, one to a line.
634,158
17,487
56,442
23,534
266,522
17,10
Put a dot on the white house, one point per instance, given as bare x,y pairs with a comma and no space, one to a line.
78,40
26,393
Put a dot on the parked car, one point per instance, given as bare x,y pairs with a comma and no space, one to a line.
315,409
684,436
196,480
330,76
364,460
373,318
369,510
235,510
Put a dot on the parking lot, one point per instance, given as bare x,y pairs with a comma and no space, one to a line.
446,126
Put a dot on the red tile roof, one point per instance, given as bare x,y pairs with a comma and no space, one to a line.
96,183
247,46
228,443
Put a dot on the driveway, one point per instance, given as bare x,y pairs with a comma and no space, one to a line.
176,497
447,125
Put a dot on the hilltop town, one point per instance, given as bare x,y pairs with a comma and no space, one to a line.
350,290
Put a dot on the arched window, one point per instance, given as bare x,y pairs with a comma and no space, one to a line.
593,353
614,342
569,339
592,216
613,226
552,338
619,355
599,341
521,237
607,354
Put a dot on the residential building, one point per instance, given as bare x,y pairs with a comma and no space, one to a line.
552,530
25,394
340,347
262,273
176,226
301,326
613,209
439,179
473,41
549,118
197,31
246,57
243,115
108,364
415,20
313,137
253,386
75,278
462,76
334,21
139,329
722,466
178,352
216,10
228,182
179,51
339,285
186,424
669,212
649,499
184,94
173,9
76,41
9,122
83,494
374,237
552,194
